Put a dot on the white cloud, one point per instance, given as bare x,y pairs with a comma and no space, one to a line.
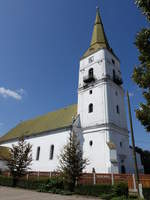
4,92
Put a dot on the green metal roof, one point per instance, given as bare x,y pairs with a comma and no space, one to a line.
51,121
99,39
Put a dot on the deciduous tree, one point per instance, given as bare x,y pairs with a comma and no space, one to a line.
72,162
141,74
20,159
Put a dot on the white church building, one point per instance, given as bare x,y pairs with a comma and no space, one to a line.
99,117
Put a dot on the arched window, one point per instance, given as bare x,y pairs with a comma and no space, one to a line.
91,143
91,72
38,153
90,108
117,109
120,144
51,152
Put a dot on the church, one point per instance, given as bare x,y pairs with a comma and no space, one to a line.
99,117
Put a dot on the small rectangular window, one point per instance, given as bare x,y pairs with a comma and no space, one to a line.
51,152
38,153
90,91
90,108
113,61
117,109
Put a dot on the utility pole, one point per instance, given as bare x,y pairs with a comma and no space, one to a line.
133,145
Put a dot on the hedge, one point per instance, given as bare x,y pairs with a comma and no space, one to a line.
93,190
146,192
26,184
117,192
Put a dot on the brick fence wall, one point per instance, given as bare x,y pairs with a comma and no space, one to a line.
95,178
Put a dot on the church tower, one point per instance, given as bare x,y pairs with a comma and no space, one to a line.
101,106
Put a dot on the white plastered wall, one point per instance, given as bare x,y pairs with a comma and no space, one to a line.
57,138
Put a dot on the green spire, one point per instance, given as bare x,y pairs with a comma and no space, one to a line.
99,36
99,39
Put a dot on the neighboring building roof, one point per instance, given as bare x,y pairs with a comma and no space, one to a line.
48,122
99,39
4,153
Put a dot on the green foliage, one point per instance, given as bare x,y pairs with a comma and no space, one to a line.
56,186
20,159
146,192
141,73
145,159
72,162
120,189
6,181
144,5
30,184
52,184
93,190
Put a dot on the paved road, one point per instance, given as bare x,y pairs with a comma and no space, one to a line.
20,194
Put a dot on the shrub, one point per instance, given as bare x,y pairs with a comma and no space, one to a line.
146,192
52,184
30,184
120,189
6,181
93,190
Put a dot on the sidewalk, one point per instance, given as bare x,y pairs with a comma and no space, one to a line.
7,193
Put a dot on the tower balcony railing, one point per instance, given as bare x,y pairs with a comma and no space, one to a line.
118,80
89,79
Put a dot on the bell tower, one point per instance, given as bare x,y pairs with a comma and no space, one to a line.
101,103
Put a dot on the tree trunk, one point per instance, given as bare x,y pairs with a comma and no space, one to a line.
14,181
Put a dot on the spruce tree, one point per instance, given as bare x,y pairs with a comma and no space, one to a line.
141,73
20,159
72,162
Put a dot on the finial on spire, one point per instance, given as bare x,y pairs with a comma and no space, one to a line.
97,9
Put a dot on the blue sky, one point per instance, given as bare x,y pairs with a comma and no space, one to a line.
41,42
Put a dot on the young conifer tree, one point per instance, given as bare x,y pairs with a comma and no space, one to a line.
20,159
72,162
141,74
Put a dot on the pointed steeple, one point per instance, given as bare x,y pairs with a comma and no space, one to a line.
99,39
99,36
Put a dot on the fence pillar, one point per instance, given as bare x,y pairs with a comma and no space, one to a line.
27,176
141,191
134,183
50,175
38,175
94,177
112,178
